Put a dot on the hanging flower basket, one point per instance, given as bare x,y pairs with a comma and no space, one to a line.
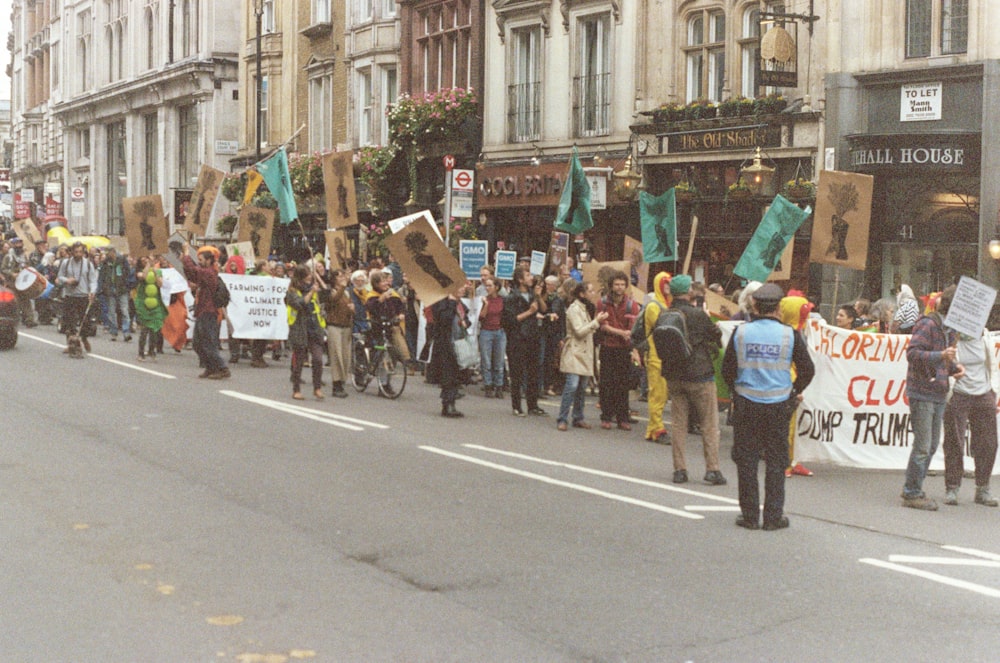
739,191
799,190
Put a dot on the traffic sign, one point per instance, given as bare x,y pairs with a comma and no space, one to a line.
76,193
449,161
462,180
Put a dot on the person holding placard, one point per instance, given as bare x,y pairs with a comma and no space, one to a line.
522,313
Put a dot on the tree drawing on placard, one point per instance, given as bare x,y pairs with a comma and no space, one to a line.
209,184
146,209
416,242
342,208
845,199
257,223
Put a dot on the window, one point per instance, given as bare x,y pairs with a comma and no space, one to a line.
364,107
363,11
321,11
706,55
54,51
190,44
187,138
83,50
524,89
388,91
85,143
264,133
750,49
593,103
115,31
117,177
267,18
152,34
944,23
150,126
443,35
388,8
321,112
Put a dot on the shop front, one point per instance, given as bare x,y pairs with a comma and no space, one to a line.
516,204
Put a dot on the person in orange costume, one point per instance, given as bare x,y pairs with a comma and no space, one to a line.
794,310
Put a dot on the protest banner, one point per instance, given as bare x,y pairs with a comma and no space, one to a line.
432,269
855,413
173,283
244,249
783,270
175,246
970,308
146,228
558,252
256,226
472,256
537,266
843,216
199,211
637,264
773,233
505,262
257,306
341,198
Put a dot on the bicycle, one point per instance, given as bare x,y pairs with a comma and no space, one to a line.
376,357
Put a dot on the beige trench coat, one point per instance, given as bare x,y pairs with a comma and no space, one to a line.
578,349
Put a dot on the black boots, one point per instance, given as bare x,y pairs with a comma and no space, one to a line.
448,410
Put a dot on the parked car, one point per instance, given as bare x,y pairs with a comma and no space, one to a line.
10,317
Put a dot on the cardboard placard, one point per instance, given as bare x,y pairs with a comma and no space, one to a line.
970,308
537,263
28,232
337,248
505,262
119,244
244,249
427,262
199,211
783,270
146,228
256,225
397,224
558,251
341,198
472,256
633,253
843,216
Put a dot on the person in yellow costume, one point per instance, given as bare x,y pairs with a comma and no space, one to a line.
794,310
657,383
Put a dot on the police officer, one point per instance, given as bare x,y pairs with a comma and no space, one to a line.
757,367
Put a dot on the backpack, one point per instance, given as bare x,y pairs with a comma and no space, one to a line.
221,295
670,338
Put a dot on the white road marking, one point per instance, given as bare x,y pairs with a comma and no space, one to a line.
609,475
565,484
944,580
316,415
943,561
141,369
973,552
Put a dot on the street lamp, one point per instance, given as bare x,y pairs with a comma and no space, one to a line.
258,10
757,175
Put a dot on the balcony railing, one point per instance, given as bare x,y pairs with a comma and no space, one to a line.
524,112
592,105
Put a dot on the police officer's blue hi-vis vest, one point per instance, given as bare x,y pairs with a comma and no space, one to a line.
764,355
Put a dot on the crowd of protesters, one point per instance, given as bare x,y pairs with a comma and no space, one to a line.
557,336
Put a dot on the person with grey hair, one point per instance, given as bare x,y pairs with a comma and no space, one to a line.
359,293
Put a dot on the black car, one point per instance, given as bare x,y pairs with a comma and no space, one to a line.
9,318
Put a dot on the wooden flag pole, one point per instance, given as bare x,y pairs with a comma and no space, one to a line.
694,231
836,288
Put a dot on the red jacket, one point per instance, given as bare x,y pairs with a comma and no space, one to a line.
203,281
621,316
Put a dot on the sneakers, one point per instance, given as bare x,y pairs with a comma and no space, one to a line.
951,497
537,411
746,523
221,374
715,478
606,425
983,496
518,412
680,476
562,426
780,523
921,502
800,470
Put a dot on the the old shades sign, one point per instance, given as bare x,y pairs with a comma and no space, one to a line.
519,186
736,138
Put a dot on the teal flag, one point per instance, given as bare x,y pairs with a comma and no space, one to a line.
772,235
658,221
274,170
573,213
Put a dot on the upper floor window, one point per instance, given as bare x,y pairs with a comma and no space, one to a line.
940,23
363,10
365,109
443,36
152,34
191,12
321,111
592,84
706,55
267,23
524,94
321,11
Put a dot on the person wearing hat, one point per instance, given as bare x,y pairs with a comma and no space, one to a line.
204,277
757,366
11,265
692,385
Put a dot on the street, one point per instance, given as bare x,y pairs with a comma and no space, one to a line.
152,516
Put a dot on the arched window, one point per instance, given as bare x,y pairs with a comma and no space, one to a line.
706,55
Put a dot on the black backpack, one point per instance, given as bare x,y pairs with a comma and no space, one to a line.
670,338
221,295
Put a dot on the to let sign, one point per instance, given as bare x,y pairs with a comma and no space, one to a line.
920,102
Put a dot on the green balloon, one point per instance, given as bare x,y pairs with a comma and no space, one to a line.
151,302
151,277
152,291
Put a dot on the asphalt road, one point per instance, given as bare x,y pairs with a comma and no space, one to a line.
151,516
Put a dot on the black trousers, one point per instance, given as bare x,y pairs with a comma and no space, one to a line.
760,432
615,366
522,360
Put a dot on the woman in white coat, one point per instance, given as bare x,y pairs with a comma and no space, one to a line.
576,360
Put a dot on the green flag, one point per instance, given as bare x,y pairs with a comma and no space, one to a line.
658,220
274,170
573,213
775,230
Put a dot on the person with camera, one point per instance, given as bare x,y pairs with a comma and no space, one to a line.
757,366
523,313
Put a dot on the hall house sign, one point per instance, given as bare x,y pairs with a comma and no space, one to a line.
945,151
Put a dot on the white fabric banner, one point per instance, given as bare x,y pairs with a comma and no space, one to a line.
257,306
855,412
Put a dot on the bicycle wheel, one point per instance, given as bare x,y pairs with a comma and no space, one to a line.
361,375
391,373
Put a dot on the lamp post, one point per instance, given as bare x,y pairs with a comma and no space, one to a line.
757,175
258,10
